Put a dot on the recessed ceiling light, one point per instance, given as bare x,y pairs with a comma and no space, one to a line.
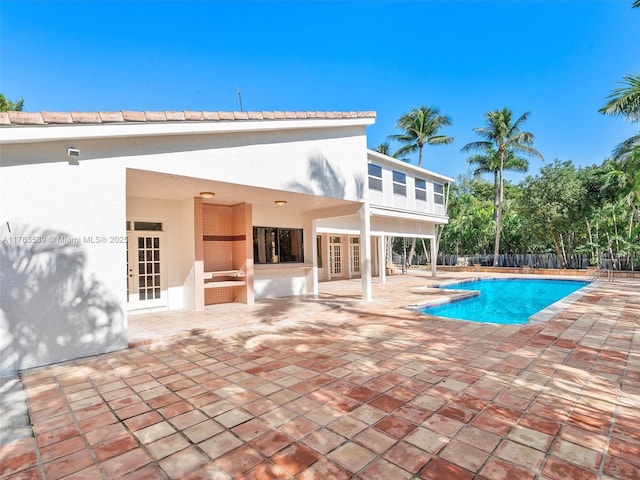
207,194
280,202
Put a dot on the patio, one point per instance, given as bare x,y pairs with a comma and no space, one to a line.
339,388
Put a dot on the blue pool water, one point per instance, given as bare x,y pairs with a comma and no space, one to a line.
506,301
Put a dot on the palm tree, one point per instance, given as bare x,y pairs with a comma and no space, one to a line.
489,162
625,101
7,105
384,148
506,138
420,127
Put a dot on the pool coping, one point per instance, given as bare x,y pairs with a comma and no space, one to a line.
537,318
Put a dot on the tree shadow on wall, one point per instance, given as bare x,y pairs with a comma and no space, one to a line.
325,180
49,311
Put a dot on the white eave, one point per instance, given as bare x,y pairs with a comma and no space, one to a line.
54,132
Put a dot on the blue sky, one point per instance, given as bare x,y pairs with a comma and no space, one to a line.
555,59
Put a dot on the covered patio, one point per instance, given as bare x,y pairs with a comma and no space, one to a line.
336,387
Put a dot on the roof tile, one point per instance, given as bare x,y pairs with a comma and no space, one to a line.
131,116
56,117
86,117
195,116
108,117
240,116
225,115
26,118
211,115
278,115
155,116
175,116
268,115
4,118
255,115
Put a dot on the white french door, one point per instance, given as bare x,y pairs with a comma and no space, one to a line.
146,274
335,257
354,250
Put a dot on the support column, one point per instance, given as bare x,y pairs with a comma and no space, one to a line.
434,254
198,264
382,254
365,252
314,257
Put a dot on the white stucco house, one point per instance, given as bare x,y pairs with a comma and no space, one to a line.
110,213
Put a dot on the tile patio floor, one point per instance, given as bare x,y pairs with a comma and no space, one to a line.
339,389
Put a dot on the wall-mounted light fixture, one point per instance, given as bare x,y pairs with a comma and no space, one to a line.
73,154
280,203
207,194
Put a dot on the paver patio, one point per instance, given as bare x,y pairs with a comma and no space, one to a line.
339,388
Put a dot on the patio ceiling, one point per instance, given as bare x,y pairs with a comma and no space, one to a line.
142,183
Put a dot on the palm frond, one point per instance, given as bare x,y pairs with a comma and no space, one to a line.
625,101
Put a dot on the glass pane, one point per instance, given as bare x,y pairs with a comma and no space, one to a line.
421,195
141,269
128,227
149,255
149,280
141,242
421,184
399,177
156,255
438,188
156,268
157,292
149,268
399,189
142,295
156,242
375,170
141,282
141,255
156,280
148,226
148,242
375,184
438,199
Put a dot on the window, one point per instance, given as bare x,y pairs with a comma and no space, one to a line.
375,177
148,226
438,193
277,245
399,183
421,189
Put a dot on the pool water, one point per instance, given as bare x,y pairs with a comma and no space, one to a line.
505,301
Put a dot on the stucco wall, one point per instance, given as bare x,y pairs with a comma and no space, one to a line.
68,300
63,288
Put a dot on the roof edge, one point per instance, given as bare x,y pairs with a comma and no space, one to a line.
14,118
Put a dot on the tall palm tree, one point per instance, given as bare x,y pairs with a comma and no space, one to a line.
625,101
420,127
506,138
489,162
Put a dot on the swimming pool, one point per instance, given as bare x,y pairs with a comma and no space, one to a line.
504,301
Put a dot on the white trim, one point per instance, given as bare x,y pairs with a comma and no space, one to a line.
48,132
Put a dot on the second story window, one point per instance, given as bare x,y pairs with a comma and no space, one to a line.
375,177
399,183
438,194
421,189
